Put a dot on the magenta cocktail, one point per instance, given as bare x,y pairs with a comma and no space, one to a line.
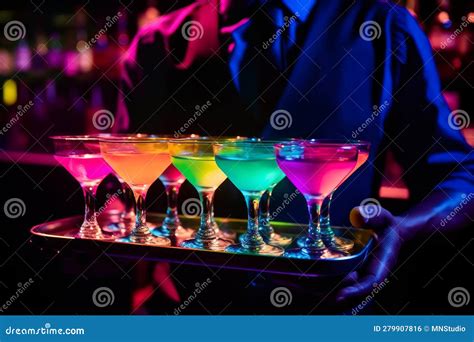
316,170
80,156
330,239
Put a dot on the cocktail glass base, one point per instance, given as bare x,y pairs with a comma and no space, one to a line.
118,229
276,239
92,232
338,243
303,253
148,239
213,245
180,232
262,250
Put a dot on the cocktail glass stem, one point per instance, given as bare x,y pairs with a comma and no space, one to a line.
313,243
206,231
141,231
127,216
327,234
252,238
171,221
265,228
90,228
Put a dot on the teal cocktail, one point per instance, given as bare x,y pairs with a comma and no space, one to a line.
252,167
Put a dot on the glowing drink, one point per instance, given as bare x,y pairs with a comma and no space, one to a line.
80,156
316,169
88,169
252,167
201,171
194,158
139,161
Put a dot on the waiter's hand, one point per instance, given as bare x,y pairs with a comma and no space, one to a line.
381,259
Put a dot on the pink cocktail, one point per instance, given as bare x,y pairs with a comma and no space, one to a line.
316,169
80,156
88,169
172,179
172,176
327,233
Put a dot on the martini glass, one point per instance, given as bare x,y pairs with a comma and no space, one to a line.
194,158
252,167
327,233
172,179
80,156
139,161
316,169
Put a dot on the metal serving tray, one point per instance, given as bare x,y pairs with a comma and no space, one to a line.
57,234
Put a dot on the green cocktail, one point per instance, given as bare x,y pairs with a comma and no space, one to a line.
201,171
264,171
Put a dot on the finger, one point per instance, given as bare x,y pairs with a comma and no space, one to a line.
350,279
371,217
364,286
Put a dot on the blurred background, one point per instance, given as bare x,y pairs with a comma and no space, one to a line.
66,68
